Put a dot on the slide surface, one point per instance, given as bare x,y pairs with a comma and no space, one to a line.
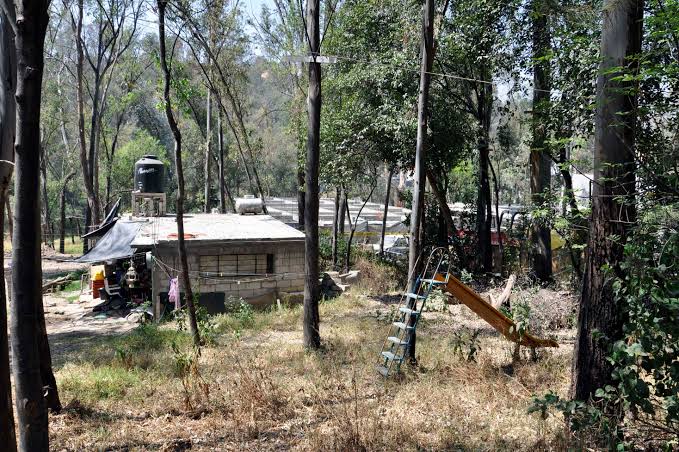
487,312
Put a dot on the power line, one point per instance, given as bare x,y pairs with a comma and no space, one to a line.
414,70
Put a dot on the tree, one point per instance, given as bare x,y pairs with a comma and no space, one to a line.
312,337
282,32
7,125
62,211
111,41
176,133
601,319
540,163
427,60
30,26
474,41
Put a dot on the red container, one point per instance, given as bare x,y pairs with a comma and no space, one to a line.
96,285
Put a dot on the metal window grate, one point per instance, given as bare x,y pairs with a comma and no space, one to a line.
238,264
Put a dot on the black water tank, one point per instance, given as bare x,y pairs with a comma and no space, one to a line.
149,175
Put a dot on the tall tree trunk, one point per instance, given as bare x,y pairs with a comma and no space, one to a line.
342,211
26,267
312,337
62,212
540,162
208,153
7,127
447,216
578,233
80,99
176,134
223,188
386,209
301,202
94,151
601,318
335,227
10,216
110,155
483,209
417,213
498,224
44,205
347,256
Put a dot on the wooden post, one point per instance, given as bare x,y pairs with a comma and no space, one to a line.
312,338
419,185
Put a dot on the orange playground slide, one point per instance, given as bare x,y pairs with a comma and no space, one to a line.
487,312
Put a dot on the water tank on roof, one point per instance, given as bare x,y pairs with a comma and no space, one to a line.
249,204
149,175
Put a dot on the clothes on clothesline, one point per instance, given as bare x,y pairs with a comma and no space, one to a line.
173,293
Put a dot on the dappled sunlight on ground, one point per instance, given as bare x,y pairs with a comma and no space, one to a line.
256,389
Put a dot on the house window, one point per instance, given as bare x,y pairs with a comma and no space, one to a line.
238,264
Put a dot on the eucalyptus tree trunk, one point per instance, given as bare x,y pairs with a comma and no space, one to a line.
208,153
301,201
540,162
498,223
483,202
354,225
312,337
386,210
176,134
62,212
335,227
10,216
601,319
342,211
578,233
440,196
223,188
26,267
7,127
92,198
48,239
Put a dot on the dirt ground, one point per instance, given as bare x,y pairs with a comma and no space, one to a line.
72,325
256,389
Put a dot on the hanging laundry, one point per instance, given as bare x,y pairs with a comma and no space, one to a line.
173,293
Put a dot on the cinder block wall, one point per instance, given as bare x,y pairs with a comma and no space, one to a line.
288,270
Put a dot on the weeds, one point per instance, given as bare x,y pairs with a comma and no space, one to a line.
465,343
196,391
265,393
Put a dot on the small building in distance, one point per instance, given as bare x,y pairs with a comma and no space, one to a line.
254,257
248,255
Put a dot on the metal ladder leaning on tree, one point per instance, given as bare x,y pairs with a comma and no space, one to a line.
410,308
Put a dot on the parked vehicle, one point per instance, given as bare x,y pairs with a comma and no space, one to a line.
395,247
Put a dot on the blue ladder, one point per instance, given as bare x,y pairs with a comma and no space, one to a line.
409,311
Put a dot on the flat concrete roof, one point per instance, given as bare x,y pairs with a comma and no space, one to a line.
210,227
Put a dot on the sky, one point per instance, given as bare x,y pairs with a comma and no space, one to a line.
252,10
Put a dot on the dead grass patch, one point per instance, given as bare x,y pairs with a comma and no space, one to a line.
264,392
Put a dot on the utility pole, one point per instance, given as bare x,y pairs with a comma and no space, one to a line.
427,52
312,338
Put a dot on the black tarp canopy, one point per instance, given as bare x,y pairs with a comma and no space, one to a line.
115,244
108,222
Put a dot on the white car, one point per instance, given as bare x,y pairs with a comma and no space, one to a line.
395,246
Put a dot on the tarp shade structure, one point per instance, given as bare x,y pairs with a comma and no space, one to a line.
108,222
115,244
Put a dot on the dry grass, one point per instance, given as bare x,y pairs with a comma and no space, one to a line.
258,390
